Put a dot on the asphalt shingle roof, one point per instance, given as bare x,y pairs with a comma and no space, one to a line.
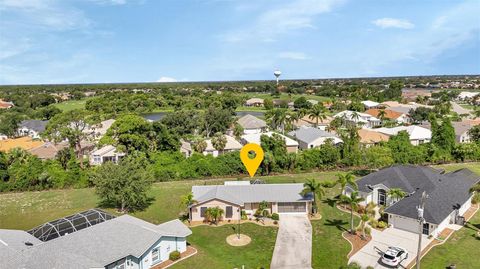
309,134
36,125
251,122
446,191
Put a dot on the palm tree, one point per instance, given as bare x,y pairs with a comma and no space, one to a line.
363,223
396,194
353,200
213,214
317,112
355,116
381,114
346,179
187,201
200,146
316,188
219,141
276,118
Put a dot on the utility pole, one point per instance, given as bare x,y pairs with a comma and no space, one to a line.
421,220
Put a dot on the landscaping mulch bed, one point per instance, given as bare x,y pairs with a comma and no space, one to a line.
356,241
189,252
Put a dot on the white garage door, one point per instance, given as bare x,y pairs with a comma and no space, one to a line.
403,223
294,207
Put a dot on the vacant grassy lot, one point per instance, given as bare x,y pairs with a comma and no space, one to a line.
285,96
71,105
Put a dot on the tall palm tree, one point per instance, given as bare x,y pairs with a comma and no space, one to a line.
346,179
317,112
396,194
316,188
187,200
200,145
381,114
276,118
353,200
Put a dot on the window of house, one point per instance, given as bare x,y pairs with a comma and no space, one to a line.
155,254
229,212
202,211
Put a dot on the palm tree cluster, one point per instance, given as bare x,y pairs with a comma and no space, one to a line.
283,119
214,214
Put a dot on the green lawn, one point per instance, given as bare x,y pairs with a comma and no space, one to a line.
285,96
462,249
71,105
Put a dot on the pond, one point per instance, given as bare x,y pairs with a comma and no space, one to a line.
159,115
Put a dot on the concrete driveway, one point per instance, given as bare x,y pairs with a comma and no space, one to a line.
370,254
293,248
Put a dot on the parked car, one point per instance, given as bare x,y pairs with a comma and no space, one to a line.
393,256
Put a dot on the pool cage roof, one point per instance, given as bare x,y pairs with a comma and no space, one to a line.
70,224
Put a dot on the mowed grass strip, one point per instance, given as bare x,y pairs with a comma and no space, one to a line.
71,105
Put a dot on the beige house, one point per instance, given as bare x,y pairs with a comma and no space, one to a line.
291,145
235,198
254,102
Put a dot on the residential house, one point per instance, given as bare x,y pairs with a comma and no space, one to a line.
309,122
32,128
398,117
461,130
107,153
5,105
370,104
84,240
254,102
25,143
235,198
49,150
358,119
448,195
232,145
418,135
311,137
465,96
252,124
370,138
291,145
99,130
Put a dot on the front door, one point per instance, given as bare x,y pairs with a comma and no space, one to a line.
382,197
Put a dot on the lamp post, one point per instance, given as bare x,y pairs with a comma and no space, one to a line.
239,219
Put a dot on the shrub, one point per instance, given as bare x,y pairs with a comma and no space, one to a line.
174,255
476,198
275,216
382,224
276,222
368,230
243,215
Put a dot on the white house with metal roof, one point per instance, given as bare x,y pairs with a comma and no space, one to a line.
358,118
418,135
291,145
107,153
123,242
311,137
235,198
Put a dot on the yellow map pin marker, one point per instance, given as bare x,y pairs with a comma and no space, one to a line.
251,164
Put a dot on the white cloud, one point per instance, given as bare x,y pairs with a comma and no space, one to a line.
393,23
294,15
292,55
166,79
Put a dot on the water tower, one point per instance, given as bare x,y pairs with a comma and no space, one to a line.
277,74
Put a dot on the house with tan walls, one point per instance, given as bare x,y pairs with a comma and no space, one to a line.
235,198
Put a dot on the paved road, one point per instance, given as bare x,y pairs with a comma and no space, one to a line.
293,248
370,254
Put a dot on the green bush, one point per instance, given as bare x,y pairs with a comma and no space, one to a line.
275,216
382,224
244,215
476,198
174,255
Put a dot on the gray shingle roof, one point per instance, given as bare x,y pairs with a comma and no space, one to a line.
251,122
309,134
446,191
36,125
96,246
240,194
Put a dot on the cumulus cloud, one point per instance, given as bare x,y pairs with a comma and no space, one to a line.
292,55
166,79
393,23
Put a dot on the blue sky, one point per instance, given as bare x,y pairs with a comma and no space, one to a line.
79,41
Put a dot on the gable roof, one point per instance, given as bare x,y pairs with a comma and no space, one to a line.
255,138
35,125
96,246
310,134
414,132
255,193
251,122
389,114
445,190
25,143
232,144
368,136
369,103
